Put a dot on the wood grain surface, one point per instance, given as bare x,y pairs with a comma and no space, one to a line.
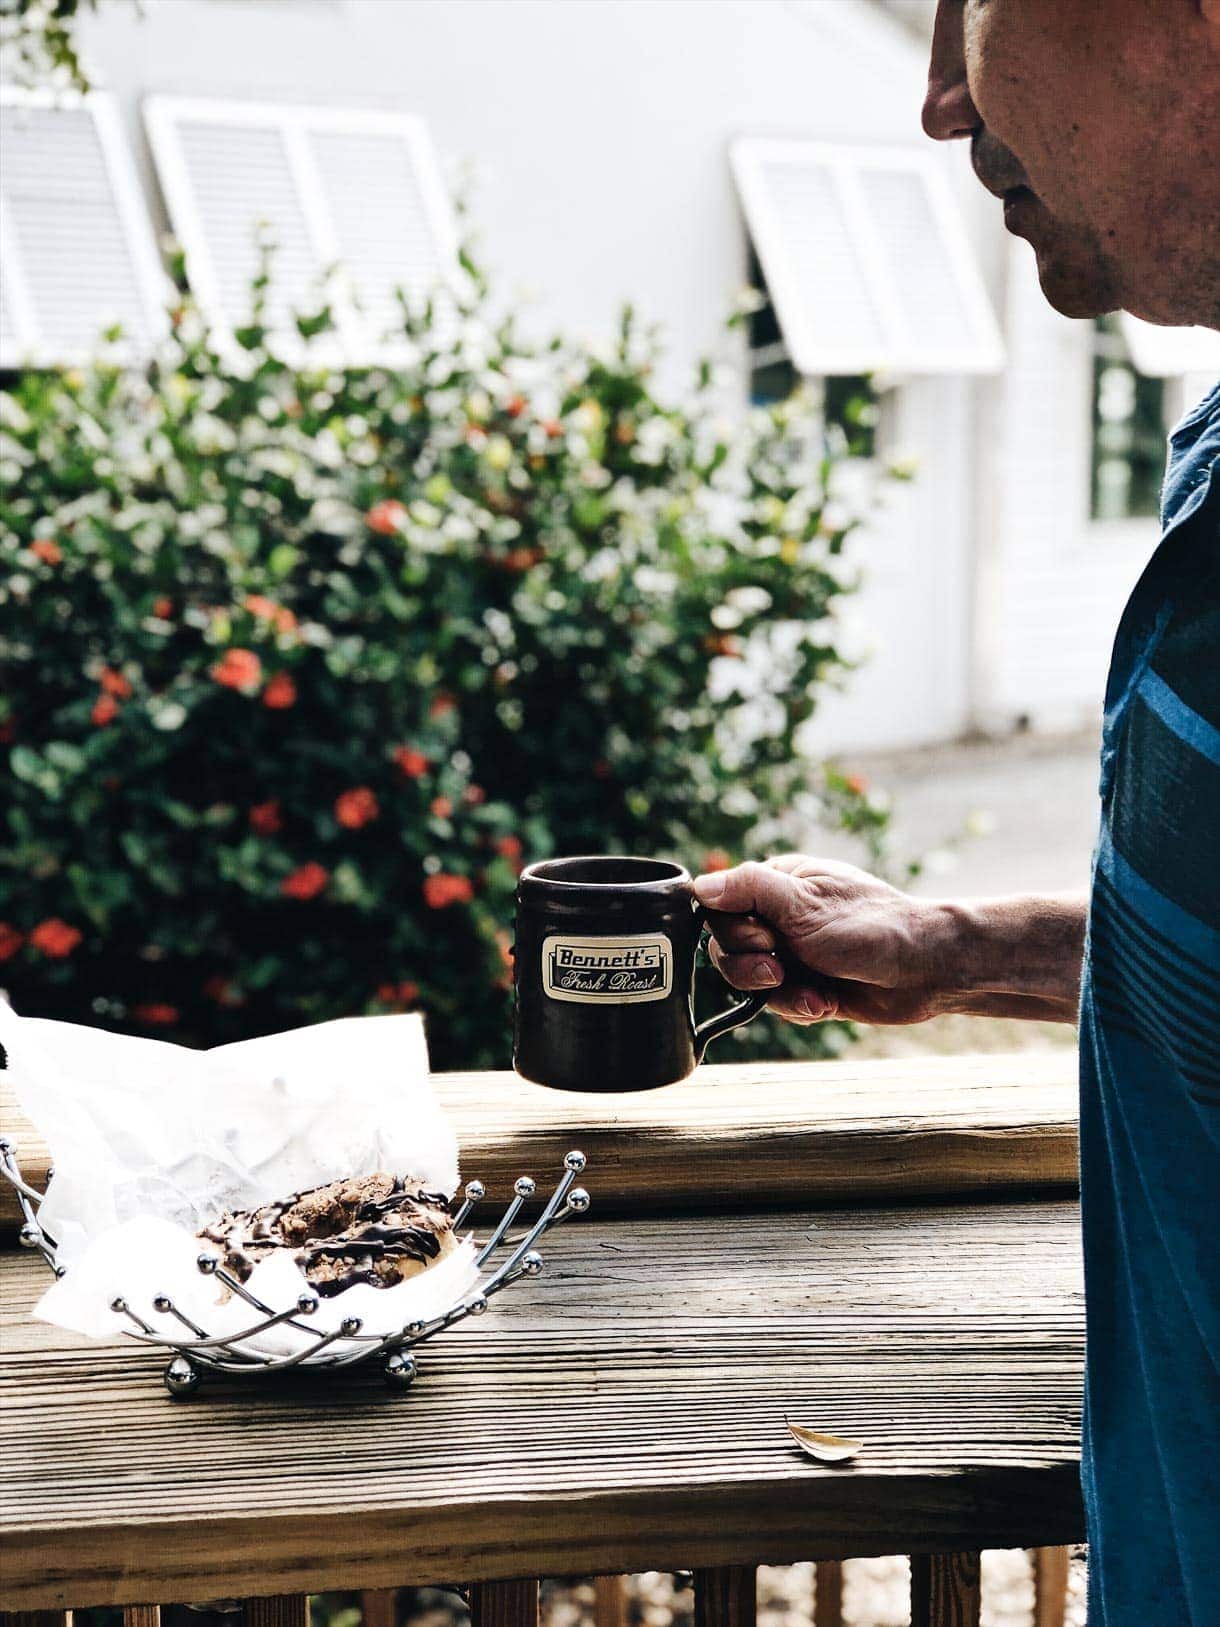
945,1590
759,1134
624,1412
726,1596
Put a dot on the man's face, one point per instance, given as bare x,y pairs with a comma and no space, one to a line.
1093,119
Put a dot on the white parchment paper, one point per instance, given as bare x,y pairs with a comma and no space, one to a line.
151,1141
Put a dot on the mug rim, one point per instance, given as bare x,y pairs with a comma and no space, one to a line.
676,874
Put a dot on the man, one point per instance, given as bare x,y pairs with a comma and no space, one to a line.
1098,124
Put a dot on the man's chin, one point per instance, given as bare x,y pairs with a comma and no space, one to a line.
1073,273
1072,294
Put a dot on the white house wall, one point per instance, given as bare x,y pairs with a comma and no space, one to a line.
598,133
1061,579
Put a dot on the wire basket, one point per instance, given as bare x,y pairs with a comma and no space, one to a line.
198,1352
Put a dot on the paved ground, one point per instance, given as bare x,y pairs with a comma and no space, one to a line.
990,817
994,816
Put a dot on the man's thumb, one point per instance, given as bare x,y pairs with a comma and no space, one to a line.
748,889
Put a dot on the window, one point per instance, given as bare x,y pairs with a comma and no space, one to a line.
69,198
330,186
1129,412
866,259
849,402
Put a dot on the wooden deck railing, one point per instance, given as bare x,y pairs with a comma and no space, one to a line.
762,1142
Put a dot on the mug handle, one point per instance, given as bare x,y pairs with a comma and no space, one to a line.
743,1012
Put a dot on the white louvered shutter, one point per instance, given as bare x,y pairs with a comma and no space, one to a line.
331,186
866,259
76,248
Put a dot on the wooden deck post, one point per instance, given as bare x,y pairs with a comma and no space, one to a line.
504,1604
278,1610
1050,1586
379,1607
141,1615
609,1601
828,1593
726,1596
945,1590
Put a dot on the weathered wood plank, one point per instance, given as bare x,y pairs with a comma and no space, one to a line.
945,1590
726,1596
504,1604
828,1593
277,1610
624,1412
759,1134
1050,1567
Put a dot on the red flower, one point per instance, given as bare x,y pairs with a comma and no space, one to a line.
441,807
306,882
105,710
54,938
386,517
857,783
399,995
515,406
504,977
222,990
156,1015
267,610
722,644
517,560
509,847
716,859
10,940
442,703
356,808
553,428
442,890
238,669
8,731
114,683
280,693
163,608
265,818
48,551
412,763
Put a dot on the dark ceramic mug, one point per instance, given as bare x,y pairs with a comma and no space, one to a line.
603,968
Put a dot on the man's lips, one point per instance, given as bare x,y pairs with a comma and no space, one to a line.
998,169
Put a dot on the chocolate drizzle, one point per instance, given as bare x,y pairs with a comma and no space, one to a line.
377,1229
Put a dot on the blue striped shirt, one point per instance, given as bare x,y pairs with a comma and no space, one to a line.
1150,1081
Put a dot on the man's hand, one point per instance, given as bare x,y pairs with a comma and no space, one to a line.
833,941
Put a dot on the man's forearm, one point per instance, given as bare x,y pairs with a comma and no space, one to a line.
1012,957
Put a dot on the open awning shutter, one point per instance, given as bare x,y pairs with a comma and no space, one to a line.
76,248
1171,352
866,259
331,186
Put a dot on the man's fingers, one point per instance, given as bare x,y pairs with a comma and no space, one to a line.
748,971
740,933
749,889
798,1001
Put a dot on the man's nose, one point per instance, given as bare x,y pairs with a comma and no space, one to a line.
949,113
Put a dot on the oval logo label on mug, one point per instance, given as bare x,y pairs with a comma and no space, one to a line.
596,971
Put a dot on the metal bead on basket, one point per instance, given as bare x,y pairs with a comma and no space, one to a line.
197,1351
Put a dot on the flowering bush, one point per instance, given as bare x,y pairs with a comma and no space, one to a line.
301,665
